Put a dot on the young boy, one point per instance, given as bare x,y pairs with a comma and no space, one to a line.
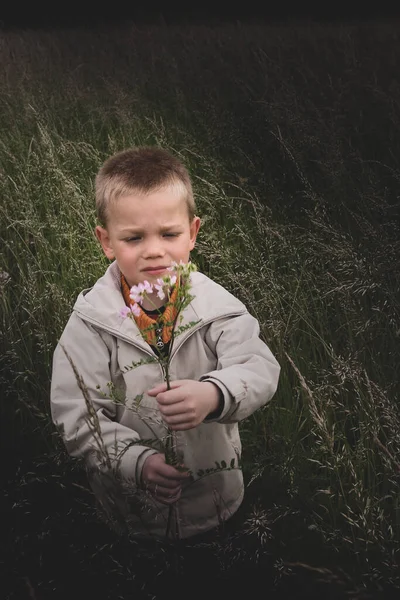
221,371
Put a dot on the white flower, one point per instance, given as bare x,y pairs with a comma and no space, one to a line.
160,292
164,284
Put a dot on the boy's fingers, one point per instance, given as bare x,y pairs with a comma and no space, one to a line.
173,474
158,389
164,492
171,499
164,489
163,387
180,420
170,399
164,483
172,396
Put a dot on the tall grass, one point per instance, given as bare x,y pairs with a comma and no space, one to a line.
291,135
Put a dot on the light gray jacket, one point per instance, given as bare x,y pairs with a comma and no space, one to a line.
223,347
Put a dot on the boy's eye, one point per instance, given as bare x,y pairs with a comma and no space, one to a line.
137,238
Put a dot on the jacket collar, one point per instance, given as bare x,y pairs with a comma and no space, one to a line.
102,303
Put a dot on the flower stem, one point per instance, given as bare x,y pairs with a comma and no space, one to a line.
170,444
171,459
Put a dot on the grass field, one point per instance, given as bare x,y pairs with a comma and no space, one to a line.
292,138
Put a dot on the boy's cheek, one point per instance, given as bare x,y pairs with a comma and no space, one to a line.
109,253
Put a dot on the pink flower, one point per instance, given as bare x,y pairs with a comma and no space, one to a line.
138,292
124,312
127,310
135,309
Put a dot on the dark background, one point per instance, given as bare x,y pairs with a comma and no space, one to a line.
44,15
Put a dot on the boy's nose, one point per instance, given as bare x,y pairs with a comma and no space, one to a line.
153,249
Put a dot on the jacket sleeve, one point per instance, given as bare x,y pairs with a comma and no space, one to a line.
247,373
88,427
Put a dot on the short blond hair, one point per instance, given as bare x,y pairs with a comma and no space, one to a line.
142,169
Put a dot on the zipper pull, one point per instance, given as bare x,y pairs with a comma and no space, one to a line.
159,343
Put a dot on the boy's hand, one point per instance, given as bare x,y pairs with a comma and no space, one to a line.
187,403
163,481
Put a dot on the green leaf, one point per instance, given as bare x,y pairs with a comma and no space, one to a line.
138,399
200,472
144,361
218,465
183,328
232,463
223,464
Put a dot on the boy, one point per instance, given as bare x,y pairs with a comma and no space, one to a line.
221,371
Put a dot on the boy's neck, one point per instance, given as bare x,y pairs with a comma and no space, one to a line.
154,303
154,312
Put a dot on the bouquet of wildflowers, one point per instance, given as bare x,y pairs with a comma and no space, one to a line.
175,289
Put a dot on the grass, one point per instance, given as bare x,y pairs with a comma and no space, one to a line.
291,135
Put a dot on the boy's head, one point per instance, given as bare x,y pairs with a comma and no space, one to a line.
140,170
145,203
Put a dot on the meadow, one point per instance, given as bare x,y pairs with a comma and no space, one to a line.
292,137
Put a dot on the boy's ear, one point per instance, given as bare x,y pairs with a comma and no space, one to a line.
104,239
194,230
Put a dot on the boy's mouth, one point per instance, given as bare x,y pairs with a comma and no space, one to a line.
155,270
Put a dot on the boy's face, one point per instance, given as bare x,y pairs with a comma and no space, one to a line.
145,234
